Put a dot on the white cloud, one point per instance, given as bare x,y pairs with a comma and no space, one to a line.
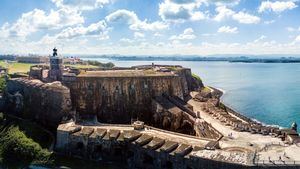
130,18
261,38
246,18
126,41
227,29
290,29
277,6
81,4
297,39
241,17
98,29
173,10
225,2
157,34
186,35
223,13
269,22
138,35
37,19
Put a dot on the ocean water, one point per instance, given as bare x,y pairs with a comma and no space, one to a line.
267,92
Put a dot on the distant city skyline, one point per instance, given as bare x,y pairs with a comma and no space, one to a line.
150,27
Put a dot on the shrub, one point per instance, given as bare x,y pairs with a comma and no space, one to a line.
17,150
101,65
2,84
196,77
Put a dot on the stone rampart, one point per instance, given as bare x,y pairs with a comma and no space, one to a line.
119,99
47,103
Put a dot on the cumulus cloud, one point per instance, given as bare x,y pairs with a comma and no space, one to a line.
98,29
81,4
224,13
225,2
277,6
186,35
130,18
38,19
138,35
227,29
180,10
245,18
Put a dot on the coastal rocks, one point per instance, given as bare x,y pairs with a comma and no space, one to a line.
47,103
204,94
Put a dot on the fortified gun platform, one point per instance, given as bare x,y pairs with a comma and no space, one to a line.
145,148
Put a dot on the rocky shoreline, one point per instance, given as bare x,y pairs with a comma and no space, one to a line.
238,114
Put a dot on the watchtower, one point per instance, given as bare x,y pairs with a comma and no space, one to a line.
56,67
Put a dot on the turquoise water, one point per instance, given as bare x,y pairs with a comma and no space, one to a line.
268,92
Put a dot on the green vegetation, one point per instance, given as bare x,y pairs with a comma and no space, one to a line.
16,67
173,68
18,149
196,77
101,65
2,84
206,89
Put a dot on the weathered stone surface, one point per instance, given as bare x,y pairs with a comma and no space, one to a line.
183,150
99,133
131,135
48,103
169,146
119,99
144,139
155,143
114,134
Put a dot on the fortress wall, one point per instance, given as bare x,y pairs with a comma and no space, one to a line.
47,103
118,99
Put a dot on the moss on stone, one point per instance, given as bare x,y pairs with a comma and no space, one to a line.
196,77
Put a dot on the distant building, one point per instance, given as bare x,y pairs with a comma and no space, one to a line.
33,59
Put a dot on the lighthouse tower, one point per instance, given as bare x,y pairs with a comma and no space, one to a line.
56,67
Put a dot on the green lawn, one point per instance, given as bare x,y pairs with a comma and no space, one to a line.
16,67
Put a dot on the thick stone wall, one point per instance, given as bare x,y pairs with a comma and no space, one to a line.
47,103
118,99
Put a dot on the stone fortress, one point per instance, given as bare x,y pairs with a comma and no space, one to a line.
150,116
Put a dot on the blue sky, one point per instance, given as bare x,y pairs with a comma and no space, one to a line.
150,27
